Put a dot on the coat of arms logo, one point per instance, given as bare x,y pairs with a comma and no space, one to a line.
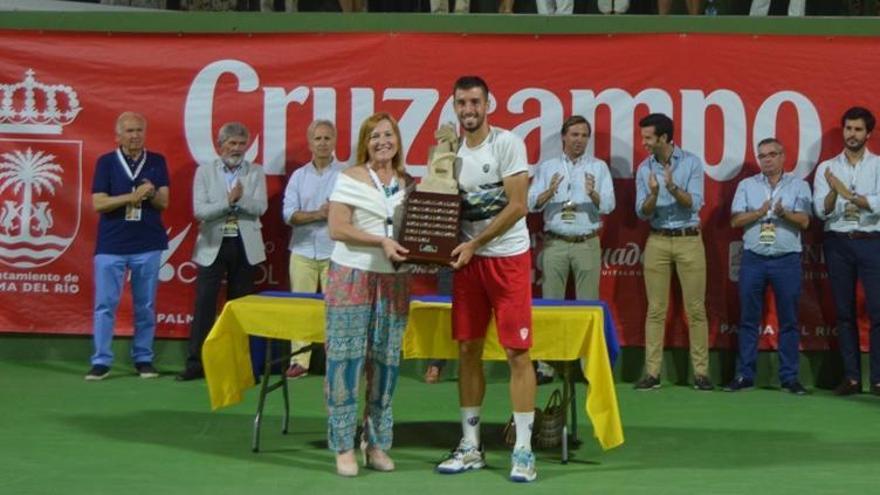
40,179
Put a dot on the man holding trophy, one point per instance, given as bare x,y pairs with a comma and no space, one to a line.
493,275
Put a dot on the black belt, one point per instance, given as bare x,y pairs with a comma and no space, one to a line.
572,238
685,232
854,234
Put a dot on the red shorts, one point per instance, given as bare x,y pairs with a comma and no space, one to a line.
502,285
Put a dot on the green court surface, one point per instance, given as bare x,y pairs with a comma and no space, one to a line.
62,435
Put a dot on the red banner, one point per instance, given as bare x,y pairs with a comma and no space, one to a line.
61,93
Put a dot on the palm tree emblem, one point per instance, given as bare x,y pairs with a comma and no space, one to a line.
27,173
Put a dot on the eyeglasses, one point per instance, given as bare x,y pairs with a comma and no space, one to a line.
771,154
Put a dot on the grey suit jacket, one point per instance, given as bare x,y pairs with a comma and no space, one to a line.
211,207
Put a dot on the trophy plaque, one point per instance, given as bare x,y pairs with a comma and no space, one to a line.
431,214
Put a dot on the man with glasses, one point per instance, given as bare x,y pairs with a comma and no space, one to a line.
773,208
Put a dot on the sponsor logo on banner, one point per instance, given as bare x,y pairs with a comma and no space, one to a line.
34,230
184,272
623,261
813,262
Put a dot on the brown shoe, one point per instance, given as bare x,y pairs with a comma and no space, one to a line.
848,387
296,371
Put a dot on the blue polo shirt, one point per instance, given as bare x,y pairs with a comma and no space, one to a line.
115,234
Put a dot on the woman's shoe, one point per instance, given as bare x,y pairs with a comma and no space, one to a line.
376,458
432,375
346,464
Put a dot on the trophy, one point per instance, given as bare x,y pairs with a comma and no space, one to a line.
432,212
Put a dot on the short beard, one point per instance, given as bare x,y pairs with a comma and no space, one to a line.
857,148
476,126
232,161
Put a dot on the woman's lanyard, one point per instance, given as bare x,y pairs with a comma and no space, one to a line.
387,193
140,165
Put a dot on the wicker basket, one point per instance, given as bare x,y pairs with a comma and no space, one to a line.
547,428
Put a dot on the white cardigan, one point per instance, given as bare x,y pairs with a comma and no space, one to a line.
368,215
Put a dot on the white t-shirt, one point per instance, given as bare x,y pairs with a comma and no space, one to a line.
480,182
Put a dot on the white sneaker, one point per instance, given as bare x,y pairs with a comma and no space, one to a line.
464,458
522,466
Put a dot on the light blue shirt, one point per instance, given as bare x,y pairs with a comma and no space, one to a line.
587,216
308,190
687,173
751,193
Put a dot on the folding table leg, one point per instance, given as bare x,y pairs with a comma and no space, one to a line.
264,391
285,420
572,403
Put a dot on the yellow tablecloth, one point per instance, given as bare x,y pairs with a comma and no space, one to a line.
560,333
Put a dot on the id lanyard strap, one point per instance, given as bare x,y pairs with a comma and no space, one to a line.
389,206
124,163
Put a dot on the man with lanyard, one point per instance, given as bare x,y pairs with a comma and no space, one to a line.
229,196
129,190
572,191
493,274
669,194
846,195
305,208
773,208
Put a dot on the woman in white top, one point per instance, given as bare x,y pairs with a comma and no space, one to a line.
367,298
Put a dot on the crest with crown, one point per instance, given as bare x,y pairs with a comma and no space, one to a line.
32,107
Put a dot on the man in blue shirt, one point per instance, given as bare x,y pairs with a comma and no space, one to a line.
572,191
773,208
669,194
306,202
129,190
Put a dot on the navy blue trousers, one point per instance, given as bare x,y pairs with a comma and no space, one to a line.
783,274
848,261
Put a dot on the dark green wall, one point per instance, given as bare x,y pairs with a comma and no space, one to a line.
239,22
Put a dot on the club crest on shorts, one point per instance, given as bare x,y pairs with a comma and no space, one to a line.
524,333
485,168
473,420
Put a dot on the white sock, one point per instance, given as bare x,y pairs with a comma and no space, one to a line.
470,425
523,422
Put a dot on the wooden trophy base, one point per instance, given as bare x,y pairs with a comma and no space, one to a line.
430,228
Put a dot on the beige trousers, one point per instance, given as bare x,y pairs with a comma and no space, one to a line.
559,258
687,257
305,276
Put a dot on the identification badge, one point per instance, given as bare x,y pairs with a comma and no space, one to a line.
230,227
568,210
389,228
133,213
768,233
851,214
